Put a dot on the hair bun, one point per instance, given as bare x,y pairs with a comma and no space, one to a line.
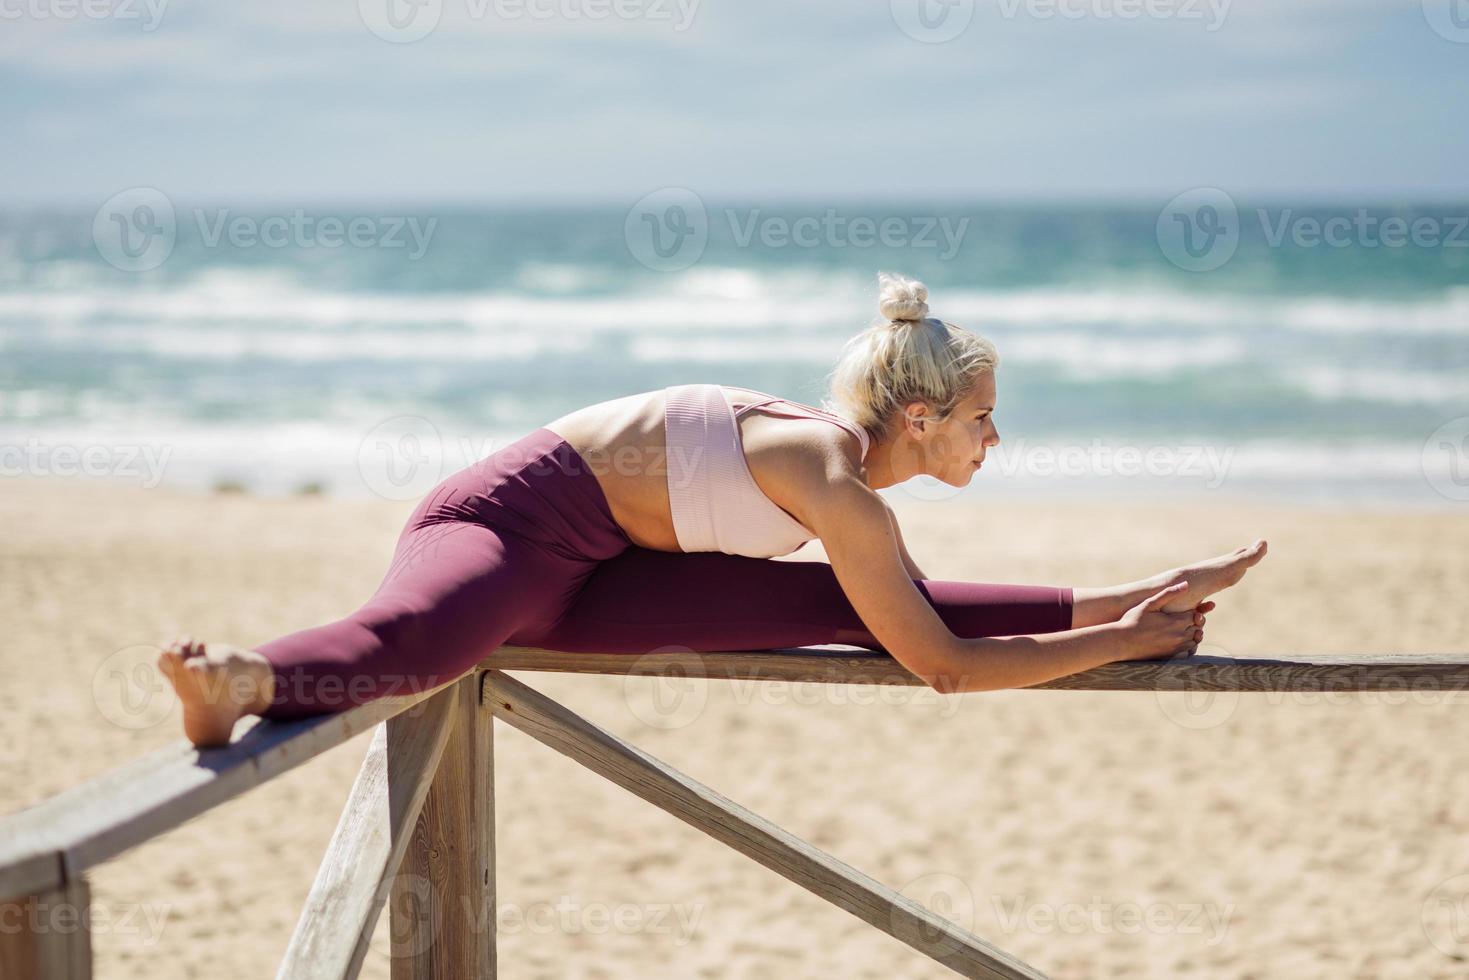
900,298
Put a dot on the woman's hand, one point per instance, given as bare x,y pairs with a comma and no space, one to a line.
1150,633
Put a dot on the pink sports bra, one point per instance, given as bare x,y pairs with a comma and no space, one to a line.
717,505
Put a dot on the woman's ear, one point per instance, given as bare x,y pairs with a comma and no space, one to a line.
915,414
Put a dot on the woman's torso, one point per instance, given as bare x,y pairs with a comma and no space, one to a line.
623,441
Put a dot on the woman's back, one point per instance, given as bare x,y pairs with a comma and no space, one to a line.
624,441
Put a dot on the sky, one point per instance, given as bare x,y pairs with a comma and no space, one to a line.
602,101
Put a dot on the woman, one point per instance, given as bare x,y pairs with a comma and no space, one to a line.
646,522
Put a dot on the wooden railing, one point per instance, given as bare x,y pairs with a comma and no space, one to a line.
424,801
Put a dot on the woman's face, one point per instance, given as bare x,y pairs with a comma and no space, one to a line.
955,447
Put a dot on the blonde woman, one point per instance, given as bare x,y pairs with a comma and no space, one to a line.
647,521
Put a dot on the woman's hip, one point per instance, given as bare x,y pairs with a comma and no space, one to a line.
538,488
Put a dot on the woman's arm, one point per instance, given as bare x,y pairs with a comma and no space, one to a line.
912,566
853,523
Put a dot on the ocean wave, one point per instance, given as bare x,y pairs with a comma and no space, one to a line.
724,298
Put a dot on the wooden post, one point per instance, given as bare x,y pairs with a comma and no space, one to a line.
46,936
442,905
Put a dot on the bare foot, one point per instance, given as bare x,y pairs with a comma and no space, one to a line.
218,684
1213,575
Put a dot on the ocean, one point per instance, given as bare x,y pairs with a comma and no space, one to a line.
1312,353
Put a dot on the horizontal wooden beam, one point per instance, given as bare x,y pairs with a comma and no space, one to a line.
1409,672
55,841
729,823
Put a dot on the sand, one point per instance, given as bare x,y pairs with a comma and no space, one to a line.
1092,834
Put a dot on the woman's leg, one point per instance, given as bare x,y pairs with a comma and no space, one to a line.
1105,604
454,592
706,601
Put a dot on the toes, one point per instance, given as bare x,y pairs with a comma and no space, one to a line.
168,662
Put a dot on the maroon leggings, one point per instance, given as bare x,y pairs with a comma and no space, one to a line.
521,548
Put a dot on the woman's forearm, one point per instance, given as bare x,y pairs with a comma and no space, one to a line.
993,663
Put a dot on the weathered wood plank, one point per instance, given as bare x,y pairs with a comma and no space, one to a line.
443,899
1408,672
53,841
45,936
337,921
750,834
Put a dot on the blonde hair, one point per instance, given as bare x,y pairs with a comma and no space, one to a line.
906,356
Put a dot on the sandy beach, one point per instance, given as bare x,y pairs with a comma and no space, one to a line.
1092,835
